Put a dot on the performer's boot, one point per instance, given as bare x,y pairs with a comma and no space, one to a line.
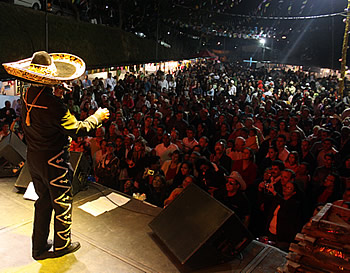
43,253
70,249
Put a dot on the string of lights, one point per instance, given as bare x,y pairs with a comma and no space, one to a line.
249,33
341,13
287,17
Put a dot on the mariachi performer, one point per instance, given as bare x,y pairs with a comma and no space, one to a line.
48,125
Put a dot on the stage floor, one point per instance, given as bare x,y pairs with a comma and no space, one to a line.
116,241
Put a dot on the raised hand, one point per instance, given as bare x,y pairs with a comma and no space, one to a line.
104,112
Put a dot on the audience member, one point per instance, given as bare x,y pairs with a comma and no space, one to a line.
234,198
165,149
106,170
176,192
7,114
171,167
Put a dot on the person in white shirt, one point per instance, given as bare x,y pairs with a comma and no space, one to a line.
189,142
172,83
281,147
269,82
110,82
163,84
233,89
165,149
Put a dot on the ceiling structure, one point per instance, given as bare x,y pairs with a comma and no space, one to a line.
296,31
301,32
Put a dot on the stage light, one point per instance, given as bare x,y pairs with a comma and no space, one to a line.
140,34
262,41
284,37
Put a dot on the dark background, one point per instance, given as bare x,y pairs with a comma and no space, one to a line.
231,28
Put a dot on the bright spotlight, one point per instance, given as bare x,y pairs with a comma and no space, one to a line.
262,41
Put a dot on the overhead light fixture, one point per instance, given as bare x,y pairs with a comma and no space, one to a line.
284,37
140,34
165,44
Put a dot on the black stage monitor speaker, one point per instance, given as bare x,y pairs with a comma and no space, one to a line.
199,230
80,166
23,178
13,149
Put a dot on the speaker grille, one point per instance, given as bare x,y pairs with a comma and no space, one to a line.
189,221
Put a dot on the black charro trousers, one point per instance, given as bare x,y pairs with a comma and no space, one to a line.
51,174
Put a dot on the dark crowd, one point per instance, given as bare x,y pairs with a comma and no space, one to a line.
272,145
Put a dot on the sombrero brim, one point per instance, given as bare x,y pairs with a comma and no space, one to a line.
69,67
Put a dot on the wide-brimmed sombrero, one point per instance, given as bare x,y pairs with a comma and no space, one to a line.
47,68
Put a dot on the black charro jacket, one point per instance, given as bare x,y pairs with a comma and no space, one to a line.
51,123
